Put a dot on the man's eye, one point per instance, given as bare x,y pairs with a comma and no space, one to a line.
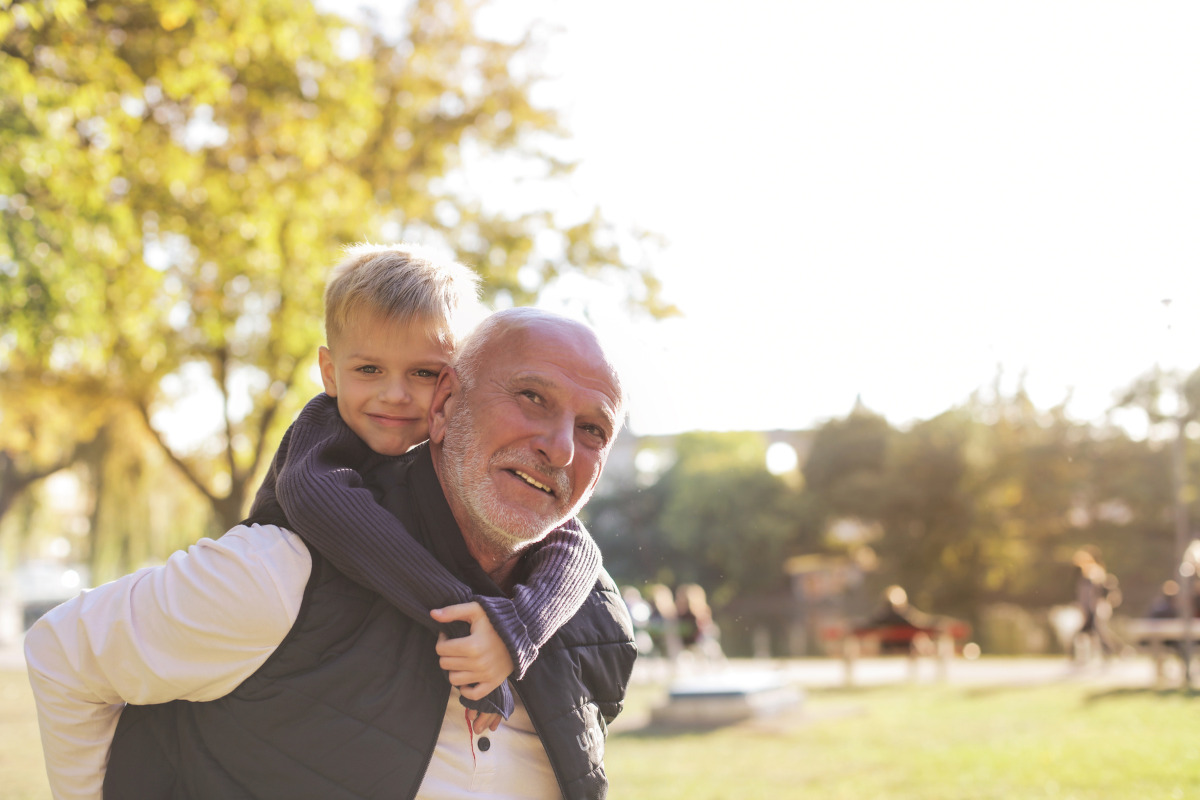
532,396
596,431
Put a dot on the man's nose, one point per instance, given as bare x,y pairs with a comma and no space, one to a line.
556,443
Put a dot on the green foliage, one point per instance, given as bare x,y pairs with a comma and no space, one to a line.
716,517
723,505
845,466
176,178
984,504
930,545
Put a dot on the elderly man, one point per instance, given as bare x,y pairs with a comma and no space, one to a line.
253,669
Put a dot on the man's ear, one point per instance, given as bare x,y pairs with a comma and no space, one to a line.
328,372
445,394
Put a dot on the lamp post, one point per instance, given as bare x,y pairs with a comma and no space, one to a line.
1187,552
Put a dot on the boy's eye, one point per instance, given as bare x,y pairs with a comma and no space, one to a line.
368,369
426,373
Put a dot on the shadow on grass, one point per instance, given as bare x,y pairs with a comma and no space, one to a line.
1012,687
846,701
1122,692
849,691
653,730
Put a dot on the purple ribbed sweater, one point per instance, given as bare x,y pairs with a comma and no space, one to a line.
316,480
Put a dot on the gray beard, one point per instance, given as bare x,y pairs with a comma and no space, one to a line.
494,526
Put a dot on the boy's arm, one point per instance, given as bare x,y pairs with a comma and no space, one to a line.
192,629
562,570
318,485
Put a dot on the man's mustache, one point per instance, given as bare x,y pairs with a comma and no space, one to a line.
554,477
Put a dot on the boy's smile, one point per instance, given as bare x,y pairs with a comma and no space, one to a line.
383,373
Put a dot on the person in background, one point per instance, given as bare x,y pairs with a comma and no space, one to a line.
698,632
1097,594
664,622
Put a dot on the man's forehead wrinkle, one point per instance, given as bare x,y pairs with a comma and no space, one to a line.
535,378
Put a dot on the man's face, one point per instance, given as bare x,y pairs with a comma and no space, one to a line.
383,374
523,447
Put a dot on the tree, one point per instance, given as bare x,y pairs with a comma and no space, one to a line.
736,521
177,177
1170,401
929,543
1025,478
845,469
43,429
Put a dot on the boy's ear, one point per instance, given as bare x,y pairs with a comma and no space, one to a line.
445,395
328,373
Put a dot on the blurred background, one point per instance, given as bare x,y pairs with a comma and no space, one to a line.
906,293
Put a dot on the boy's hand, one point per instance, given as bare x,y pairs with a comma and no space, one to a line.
478,662
485,722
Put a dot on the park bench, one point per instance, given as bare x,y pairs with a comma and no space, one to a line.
1161,636
940,641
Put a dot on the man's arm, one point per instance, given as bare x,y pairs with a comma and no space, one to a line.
191,629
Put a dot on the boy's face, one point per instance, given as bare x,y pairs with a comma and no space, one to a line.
383,374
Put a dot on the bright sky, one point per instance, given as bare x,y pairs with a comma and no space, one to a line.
889,199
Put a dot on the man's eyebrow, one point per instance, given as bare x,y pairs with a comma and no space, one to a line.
537,380
524,379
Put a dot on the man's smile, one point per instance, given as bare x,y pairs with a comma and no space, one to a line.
532,481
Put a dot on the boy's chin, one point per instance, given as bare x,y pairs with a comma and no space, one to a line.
396,451
390,447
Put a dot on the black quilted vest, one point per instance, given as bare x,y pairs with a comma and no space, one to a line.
350,704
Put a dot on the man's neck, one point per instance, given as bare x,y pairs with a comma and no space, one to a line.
499,568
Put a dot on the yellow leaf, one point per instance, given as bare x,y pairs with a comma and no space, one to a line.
174,18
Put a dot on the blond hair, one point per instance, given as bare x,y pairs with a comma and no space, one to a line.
405,283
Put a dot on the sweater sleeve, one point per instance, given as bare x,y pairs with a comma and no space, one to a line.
315,483
562,569
320,488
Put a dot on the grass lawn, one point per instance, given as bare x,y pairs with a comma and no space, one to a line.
929,742
22,772
906,742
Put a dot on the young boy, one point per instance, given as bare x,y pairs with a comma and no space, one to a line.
393,317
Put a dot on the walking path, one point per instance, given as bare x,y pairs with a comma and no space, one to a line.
822,673
770,691
828,673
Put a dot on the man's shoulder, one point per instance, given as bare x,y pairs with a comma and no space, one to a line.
602,619
268,546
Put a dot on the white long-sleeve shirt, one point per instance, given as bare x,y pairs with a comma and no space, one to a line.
192,629
195,629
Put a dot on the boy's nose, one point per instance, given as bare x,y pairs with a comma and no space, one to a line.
395,391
